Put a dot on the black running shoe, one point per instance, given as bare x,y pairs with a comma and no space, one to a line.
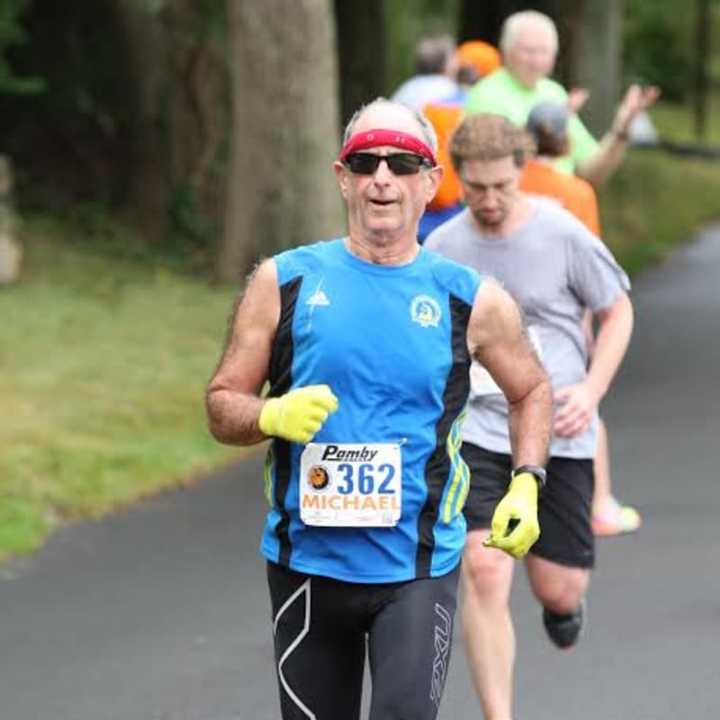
565,630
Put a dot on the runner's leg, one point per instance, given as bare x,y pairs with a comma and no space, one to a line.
319,645
560,562
487,625
409,648
602,492
487,579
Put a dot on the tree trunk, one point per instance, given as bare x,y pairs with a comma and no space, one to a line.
10,250
179,118
197,117
361,53
703,24
281,190
598,61
148,183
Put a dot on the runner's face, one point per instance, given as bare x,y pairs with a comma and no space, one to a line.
383,206
491,190
532,55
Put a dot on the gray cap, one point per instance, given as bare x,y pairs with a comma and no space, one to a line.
549,118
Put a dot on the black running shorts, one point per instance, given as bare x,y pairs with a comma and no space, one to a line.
322,628
564,508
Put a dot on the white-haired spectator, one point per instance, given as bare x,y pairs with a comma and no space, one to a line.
529,45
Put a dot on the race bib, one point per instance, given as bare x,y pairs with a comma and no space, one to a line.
481,381
351,484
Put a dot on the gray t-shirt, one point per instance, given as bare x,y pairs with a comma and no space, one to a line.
555,268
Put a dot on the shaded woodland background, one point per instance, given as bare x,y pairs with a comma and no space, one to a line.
209,126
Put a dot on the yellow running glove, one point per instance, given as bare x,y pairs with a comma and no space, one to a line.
299,414
515,526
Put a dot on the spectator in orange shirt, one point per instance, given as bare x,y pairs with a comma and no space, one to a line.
547,126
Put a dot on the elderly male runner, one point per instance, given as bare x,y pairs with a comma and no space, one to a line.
556,268
366,342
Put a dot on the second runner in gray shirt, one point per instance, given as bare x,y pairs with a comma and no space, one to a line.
555,268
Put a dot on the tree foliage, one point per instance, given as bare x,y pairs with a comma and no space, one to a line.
12,33
136,108
135,114
406,21
658,46
361,29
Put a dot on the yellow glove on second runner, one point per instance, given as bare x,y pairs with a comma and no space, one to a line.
299,414
515,526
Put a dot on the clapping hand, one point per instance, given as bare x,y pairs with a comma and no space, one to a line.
637,99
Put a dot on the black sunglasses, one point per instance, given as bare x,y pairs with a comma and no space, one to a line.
399,163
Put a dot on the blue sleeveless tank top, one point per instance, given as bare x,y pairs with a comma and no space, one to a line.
391,343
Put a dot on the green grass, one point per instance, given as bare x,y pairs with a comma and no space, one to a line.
654,202
656,199
103,363
677,122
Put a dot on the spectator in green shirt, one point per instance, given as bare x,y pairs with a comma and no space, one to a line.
529,44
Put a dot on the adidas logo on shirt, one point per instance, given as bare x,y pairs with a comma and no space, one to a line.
318,298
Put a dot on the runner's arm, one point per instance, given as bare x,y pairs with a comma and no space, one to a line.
498,340
232,398
616,323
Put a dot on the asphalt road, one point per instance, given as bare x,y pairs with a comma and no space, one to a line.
161,612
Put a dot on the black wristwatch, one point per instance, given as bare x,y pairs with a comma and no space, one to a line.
537,471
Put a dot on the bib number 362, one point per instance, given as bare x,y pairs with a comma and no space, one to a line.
351,484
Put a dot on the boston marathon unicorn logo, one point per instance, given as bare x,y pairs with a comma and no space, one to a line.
425,311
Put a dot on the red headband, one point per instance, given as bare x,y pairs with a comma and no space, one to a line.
377,138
